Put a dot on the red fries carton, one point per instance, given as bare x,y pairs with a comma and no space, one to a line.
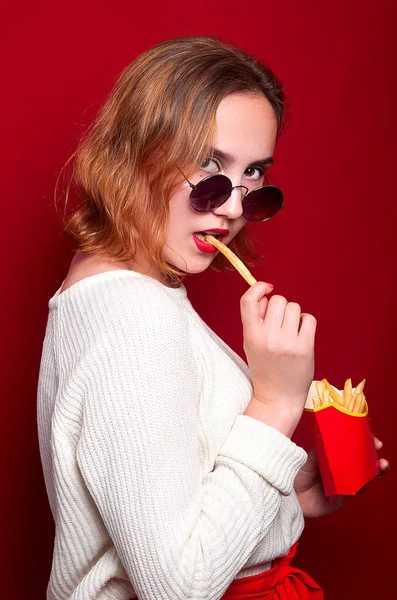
344,443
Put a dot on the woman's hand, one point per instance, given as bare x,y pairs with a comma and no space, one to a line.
310,491
279,345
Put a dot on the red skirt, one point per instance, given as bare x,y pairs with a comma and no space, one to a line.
281,582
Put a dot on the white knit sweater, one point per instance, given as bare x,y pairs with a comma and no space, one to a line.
159,486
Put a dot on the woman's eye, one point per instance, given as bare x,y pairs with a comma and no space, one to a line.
259,175
210,165
206,165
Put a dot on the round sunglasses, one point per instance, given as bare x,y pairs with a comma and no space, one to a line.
260,204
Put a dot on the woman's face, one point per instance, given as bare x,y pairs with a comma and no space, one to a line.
246,129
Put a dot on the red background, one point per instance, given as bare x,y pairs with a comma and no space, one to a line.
331,249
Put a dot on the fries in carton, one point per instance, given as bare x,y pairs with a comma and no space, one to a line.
342,435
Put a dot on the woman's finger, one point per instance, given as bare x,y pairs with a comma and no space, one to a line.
384,465
249,306
262,307
292,320
378,443
275,313
308,325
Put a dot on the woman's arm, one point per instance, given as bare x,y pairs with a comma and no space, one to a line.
138,452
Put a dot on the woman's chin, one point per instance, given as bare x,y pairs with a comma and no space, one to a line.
192,267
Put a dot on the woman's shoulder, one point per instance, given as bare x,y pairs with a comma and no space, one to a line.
119,312
83,267
86,267
104,290
100,276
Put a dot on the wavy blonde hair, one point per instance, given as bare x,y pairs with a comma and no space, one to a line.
159,117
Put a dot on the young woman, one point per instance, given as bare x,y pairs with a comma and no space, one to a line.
168,461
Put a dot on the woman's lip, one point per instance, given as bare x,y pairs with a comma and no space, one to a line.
204,246
223,232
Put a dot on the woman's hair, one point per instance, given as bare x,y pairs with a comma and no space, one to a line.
159,117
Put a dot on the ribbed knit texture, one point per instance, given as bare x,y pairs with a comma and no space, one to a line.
159,486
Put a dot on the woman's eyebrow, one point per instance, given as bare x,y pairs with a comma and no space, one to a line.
229,158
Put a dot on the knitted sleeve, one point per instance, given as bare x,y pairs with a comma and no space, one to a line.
127,350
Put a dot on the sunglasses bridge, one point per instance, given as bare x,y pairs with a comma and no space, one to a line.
229,192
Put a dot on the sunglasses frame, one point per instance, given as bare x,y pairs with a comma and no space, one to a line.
232,187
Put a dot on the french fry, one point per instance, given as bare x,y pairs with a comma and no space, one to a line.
357,403
348,394
316,402
333,393
320,390
326,397
363,406
359,388
236,262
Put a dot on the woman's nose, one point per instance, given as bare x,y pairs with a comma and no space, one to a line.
233,207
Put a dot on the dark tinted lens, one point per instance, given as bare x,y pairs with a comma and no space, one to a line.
263,203
210,193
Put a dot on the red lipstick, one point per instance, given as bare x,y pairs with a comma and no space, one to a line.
205,246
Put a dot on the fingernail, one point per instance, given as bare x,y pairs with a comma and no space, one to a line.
271,285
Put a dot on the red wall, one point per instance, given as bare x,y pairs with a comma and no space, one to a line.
331,249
